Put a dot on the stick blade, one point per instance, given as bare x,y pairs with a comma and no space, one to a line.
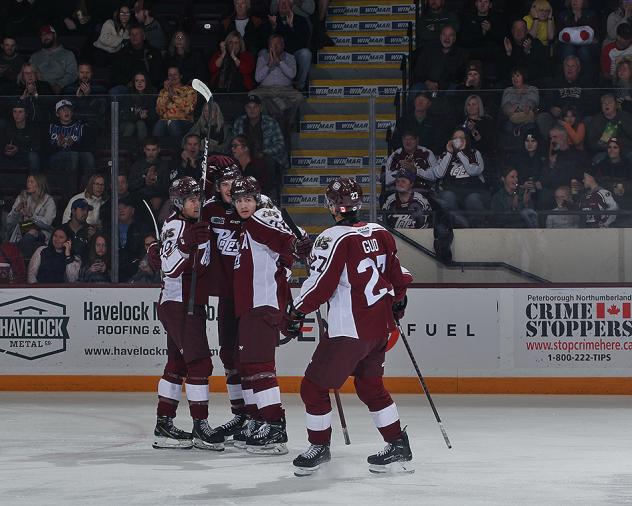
202,89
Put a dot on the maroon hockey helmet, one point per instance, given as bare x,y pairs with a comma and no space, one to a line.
182,189
220,166
245,186
344,194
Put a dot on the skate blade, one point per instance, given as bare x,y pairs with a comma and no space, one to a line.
166,443
393,468
238,444
275,449
202,445
305,471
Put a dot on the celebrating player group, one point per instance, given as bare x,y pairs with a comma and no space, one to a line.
237,246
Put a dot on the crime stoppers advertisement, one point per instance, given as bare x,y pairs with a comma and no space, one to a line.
573,327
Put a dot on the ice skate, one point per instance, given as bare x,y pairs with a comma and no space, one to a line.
240,437
394,458
310,460
167,435
231,428
204,437
270,439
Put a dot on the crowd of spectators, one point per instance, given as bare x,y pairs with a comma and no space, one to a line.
533,99
63,63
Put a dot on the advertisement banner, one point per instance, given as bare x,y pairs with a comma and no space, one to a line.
583,328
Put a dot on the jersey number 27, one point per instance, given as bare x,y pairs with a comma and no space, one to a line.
376,266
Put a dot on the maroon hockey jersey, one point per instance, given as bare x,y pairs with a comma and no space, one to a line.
598,200
178,266
356,269
262,266
226,227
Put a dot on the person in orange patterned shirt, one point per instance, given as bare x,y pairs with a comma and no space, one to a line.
175,106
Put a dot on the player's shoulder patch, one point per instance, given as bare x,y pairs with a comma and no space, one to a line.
323,242
271,218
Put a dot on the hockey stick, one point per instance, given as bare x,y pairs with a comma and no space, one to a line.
203,90
321,329
423,384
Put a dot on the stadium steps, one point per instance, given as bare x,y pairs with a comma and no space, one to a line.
333,136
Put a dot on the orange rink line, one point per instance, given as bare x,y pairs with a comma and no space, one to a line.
291,384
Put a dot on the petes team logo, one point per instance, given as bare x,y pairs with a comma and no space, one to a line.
227,243
322,242
33,328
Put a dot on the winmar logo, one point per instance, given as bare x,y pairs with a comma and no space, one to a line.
32,328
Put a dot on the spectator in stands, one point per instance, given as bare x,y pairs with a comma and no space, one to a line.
623,198
577,17
217,133
95,263
180,55
263,133
303,8
563,203
138,111
296,33
149,175
321,39
12,267
434,18
88,105
57,65
529,162
138,56
114,34
611,122
79,17
482,33
105,213
94,195
565,166
413,158
232,66
440,67
30,87
54,263
252,164
419,121
34,205
175,105
20,141
406,208
522,50
596,198
68,141
622,14
253,29
572,88
519,103
615,166
540,22
153,31
473,83
145,274
10,64
460,171
575,127
480,126
516,201
131,235
275,71
83,85
190,159
76,228
623,83
612,53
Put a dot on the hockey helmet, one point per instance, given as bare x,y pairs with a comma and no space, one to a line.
245,186
344,195
182,189
221,167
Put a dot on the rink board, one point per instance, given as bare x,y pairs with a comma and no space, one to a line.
535,339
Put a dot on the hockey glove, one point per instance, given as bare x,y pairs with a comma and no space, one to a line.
194,235
153,256
399,308
302,247
292,323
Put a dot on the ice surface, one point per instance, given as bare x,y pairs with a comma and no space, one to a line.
95,448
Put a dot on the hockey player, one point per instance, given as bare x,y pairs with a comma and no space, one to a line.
354,267
226,226
185,247
262,269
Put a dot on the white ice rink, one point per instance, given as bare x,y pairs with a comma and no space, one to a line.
95,448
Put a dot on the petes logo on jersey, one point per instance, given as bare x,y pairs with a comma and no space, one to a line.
322,242
227,243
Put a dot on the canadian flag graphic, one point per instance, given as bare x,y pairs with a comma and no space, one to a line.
613,310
